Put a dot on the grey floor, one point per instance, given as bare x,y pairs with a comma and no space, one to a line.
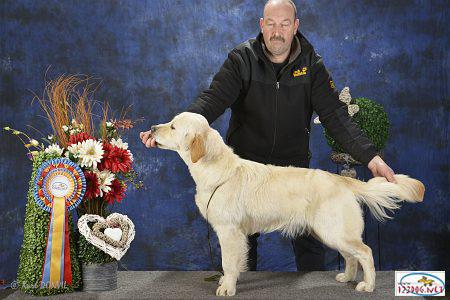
251,285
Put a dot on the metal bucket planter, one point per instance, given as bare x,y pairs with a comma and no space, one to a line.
99,277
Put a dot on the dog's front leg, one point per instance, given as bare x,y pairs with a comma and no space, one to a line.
233,244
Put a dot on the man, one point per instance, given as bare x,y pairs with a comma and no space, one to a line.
273,84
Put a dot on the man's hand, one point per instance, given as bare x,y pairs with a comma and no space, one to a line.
147,139
379,168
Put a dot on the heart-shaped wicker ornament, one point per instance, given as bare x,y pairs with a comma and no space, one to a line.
99,239
111,223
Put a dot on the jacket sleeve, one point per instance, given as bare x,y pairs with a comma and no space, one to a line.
334,115
223,91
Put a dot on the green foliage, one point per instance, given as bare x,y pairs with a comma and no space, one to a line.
373,121
132,178
89,254
34,244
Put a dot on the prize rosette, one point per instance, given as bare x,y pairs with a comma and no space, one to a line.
59,188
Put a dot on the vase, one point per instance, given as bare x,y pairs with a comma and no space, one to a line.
99,277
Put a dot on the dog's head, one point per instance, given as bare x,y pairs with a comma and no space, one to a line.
186,132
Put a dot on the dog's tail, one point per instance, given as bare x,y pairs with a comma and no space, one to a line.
379,194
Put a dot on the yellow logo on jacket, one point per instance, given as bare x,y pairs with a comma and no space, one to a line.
300,72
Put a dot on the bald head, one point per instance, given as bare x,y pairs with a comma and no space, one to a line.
277,3
279,26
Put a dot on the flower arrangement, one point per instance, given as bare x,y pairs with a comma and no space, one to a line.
95,144
104,157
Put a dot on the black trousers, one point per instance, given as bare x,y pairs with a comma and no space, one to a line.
309,253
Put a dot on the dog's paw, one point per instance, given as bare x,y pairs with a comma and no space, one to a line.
341,277
226,289
221,280
364,287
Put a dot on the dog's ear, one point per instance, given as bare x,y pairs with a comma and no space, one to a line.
197,148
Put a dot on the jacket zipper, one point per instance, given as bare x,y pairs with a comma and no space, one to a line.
277,87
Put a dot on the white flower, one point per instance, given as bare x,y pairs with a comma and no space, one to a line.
105,179
131,155
72,131
90,153
54,149
345,97
109,124
50,137
65,128
119,143
34,143
74,149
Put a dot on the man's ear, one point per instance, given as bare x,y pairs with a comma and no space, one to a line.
197,148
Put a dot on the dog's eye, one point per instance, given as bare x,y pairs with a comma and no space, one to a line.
171,126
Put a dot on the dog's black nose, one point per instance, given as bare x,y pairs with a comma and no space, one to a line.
153,128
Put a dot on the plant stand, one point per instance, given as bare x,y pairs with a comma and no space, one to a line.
99,277
347,163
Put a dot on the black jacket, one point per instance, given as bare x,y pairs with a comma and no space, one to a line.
270,116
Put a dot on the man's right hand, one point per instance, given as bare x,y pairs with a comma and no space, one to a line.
147,139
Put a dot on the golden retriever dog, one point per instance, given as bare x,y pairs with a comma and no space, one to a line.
239,197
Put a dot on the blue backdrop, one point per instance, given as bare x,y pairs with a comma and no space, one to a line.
158,55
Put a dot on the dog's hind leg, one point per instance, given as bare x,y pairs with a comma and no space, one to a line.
363,253
233,244
351,268
340,227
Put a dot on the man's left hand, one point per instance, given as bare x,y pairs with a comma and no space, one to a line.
379,168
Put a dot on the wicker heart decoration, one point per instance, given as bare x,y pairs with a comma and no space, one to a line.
106,241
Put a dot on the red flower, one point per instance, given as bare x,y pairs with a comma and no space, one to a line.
115,159
79,137
116,193
107,148
92,187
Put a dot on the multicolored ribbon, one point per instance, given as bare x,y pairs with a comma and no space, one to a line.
59,188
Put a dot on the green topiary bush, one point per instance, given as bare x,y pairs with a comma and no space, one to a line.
373,121
35,234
